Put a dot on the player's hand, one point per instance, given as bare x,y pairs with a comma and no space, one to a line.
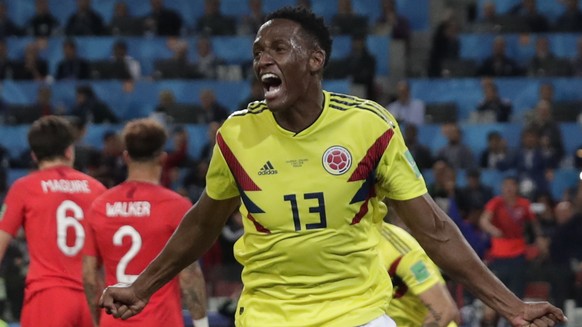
538,314
121,301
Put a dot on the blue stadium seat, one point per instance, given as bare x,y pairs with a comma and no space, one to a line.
272,5
571,136
95,133
466,93
338,86
14,139
14,174
550,8
563,180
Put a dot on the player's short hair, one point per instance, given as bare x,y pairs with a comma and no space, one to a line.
49,137
312,24
144,139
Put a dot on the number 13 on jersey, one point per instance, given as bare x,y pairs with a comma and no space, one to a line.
316,205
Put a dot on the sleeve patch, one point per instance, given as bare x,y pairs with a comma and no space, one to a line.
412,163
420,271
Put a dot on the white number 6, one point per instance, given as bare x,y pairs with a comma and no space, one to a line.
64,221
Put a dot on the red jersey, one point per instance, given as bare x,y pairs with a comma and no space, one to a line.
510,220
51,204
128,227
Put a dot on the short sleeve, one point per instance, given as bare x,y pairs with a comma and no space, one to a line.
398,175
220,183
491,206
418,272
12,210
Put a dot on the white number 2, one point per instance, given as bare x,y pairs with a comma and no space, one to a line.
126,230
64,221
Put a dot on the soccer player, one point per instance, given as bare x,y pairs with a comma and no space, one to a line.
51,204
311,168
127,227
420,296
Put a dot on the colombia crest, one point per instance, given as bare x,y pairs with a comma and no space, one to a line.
337,160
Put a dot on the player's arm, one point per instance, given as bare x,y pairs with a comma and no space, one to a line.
194,293
196,233
441,307
487,226
444,243
93,285
5,239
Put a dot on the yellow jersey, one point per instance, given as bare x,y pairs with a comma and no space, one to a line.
412,273
310,204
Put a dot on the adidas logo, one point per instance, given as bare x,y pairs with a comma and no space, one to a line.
268,169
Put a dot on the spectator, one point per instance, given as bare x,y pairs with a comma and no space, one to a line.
206,61
444,188
406,109
212,111
546,92
85,21
527,9
499,64
346,22
164,21
88,108
195,180
43,23
571,19
475,195
33,67
492,108
206,152
250,23
43,104
543,61
445,46
420,152
565,248
178,157
7,26
548,130
362,66
166,101
496,154
391,23
543,207
256,94
72,66
577,61
121,22
530,164
112,169
489,21
213,22
456,153
179,66
87,157
505,218
120,55
6,65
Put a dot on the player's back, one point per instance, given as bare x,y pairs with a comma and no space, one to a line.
129,226
51,204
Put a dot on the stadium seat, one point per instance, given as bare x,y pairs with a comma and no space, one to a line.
571,136
563,180
438,113
566,111
459,68
14,174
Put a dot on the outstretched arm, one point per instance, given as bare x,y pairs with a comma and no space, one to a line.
443,242
441,307
194,293
197,232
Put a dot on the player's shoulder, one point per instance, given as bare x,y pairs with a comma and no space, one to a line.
400,239
252,110
356,105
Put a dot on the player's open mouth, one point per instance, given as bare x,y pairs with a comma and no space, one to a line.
271,85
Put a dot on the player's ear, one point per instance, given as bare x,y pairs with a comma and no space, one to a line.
163,157
33,156
317,60
126,157
70,153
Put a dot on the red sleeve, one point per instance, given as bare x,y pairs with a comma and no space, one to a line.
12,211
90,248
178,213
492,205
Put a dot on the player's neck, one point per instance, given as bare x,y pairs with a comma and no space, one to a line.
48,164
303,114
144,172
